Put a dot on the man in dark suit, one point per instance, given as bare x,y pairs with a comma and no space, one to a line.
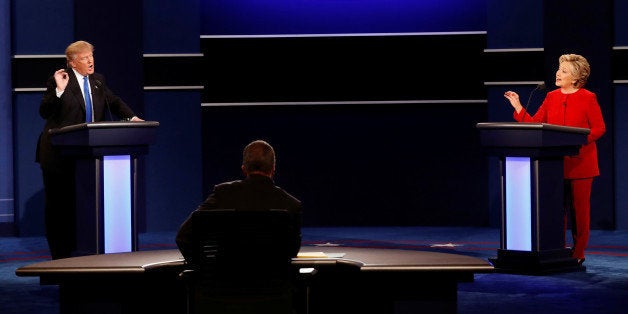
256,192
275,276
64,104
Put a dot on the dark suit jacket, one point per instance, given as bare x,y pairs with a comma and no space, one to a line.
256,192
69,109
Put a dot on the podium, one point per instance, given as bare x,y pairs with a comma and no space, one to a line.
105,155
532,237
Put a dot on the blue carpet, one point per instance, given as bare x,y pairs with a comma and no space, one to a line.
602,288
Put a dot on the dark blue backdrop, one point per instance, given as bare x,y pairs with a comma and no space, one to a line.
173,167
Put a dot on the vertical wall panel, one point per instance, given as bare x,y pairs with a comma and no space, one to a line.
586,28
621,22
514,24
42,26
621,115
173,164
621,151
6,113
171,26
29,185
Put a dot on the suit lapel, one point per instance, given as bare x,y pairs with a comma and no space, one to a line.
75,89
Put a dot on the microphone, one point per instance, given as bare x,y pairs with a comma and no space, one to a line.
540,86
98,85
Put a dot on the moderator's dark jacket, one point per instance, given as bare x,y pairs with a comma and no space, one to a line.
256,192
69,109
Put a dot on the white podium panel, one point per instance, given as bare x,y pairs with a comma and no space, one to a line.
518,204
117,196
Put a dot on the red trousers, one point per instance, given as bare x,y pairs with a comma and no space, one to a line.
578,208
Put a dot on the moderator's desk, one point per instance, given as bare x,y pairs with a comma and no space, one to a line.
363,280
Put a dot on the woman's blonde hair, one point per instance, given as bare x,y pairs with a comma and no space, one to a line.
580,66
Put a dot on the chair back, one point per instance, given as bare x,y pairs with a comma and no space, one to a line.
239,245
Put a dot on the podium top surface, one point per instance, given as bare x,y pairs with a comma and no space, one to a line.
105,138
531,139
105,125
531,126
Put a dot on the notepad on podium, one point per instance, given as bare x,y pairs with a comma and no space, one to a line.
319,255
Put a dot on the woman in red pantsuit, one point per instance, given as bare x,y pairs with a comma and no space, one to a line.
572,105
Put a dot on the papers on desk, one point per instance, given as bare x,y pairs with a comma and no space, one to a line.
311,255
319,255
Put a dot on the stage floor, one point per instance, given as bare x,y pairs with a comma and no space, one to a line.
602,288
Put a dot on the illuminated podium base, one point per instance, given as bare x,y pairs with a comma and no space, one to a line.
106,198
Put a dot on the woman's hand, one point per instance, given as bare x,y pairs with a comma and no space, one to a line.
513,98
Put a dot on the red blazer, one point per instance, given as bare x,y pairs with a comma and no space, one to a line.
579,109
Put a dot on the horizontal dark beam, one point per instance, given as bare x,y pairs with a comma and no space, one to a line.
620,64
165,70
353,68
173,70
33,71
514,65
